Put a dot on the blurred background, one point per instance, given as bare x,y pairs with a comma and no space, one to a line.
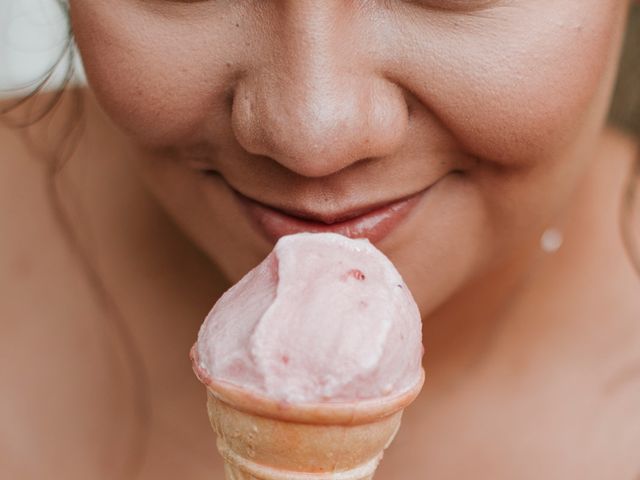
33,34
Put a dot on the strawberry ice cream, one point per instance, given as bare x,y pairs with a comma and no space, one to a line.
323,318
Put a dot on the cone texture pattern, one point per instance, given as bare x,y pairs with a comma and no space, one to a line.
256,447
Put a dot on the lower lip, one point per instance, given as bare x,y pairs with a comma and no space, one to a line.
374,225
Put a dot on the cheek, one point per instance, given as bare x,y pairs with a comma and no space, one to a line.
518,84
158,79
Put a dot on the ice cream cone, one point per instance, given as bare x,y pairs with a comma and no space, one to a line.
263,439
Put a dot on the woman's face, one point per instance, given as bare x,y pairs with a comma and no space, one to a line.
486,109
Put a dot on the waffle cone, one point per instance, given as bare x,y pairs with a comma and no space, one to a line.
262,439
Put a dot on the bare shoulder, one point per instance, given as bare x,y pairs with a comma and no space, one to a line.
36,266
44,307
32,250
22,200
34,258
24,207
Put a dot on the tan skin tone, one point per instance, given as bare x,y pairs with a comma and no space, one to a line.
533,360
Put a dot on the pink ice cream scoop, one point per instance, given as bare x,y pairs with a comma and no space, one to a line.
324,318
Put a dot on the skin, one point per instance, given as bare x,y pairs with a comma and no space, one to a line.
500,105
324,102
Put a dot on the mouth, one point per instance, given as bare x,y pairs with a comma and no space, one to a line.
374,222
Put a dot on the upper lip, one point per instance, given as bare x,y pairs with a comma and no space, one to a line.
330,217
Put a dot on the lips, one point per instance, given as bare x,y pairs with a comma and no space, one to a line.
373,222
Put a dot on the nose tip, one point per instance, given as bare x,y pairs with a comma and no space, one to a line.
317,128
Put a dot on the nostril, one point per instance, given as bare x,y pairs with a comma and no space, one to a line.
228,101
210,173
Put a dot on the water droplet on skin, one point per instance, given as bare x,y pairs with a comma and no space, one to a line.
551,240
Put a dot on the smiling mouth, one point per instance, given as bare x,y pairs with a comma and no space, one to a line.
373,222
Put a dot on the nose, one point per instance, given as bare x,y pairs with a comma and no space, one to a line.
319,104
